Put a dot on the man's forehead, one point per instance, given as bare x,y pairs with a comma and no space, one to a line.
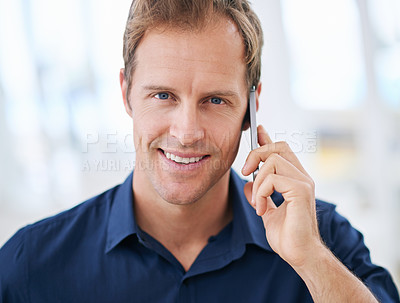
176,63
209,43
217,51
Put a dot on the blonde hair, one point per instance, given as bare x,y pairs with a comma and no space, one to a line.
193,15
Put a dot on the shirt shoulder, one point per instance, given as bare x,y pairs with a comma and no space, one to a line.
13,269
347,244
30,249
94,206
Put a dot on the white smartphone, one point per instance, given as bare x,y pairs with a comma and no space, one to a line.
253,123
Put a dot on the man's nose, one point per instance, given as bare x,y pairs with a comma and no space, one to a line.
186,126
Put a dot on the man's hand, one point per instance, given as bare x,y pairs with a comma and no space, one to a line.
291,228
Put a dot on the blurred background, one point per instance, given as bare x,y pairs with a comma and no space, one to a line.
331,89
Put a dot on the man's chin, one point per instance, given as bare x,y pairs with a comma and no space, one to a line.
181,196
177,190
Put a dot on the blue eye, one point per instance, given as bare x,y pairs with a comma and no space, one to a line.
216,100
162,96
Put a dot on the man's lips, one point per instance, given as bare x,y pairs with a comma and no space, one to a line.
183,158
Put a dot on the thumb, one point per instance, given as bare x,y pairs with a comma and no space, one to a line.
248,189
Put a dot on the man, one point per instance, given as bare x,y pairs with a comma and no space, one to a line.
180,228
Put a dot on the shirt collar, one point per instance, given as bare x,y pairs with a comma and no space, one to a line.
248,228
121,220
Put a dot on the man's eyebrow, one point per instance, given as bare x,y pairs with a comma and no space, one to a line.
157,88
225,93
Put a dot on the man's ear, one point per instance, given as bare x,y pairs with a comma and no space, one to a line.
258,93
246,121
124,88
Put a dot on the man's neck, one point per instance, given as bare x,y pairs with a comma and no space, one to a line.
183,229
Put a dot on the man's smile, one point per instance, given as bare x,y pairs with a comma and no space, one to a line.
191,160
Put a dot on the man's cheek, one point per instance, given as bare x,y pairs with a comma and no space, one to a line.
143,138
223,140
141,146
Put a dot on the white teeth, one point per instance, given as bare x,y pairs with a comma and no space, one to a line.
181,160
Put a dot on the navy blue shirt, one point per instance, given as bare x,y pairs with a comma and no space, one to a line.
96,252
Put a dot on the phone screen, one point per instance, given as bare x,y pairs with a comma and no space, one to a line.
253,123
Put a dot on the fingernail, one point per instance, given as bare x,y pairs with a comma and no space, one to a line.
257,210
244,167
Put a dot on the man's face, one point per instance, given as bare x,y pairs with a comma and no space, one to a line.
188,99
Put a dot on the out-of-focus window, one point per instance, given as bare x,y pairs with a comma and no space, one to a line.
385,21
344,75
324,39
59,82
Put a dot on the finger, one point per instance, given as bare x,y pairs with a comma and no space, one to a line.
261,195
248,189
290,189
276,164
262,153
263,205
263,137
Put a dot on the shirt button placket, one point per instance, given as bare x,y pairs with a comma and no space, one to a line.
186,292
